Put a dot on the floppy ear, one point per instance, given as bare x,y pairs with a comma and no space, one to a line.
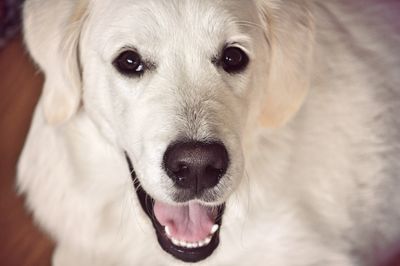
52,35
289,32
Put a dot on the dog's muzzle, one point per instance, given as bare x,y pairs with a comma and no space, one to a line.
188,230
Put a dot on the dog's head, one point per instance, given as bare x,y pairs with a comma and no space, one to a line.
174,85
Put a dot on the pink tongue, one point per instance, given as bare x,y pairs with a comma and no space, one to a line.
191,222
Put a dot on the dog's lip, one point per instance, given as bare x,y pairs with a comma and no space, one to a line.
179,252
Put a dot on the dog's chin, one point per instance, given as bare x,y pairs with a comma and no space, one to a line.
189,232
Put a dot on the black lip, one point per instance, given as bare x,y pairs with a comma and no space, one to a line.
181,253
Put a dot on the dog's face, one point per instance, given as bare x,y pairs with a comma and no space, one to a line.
170,83
172,75
174,84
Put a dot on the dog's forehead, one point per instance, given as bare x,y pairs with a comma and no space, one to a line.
155,23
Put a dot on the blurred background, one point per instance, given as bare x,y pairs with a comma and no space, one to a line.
21,243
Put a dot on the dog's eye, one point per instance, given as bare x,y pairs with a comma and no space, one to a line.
234,60
129,63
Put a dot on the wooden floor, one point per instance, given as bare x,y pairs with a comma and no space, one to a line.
21,243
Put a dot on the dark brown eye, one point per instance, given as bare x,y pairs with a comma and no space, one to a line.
234,60
129,63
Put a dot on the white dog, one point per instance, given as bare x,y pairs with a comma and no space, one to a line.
229,132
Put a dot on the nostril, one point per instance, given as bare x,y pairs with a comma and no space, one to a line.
214,172
182,170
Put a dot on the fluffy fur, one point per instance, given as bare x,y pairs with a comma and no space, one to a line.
310,126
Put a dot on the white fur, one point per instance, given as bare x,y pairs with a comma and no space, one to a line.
310,126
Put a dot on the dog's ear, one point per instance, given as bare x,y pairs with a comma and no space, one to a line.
289,33
52,35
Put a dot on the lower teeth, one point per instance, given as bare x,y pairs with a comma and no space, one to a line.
197,244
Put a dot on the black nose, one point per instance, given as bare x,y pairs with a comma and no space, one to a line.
196,165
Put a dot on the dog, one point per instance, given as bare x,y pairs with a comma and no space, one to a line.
231,132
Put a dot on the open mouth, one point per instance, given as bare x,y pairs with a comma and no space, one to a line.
189,232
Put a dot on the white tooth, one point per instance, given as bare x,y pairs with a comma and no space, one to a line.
214,228
167,231
189,245
201,243
195,244
182,243
175,241
207,240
